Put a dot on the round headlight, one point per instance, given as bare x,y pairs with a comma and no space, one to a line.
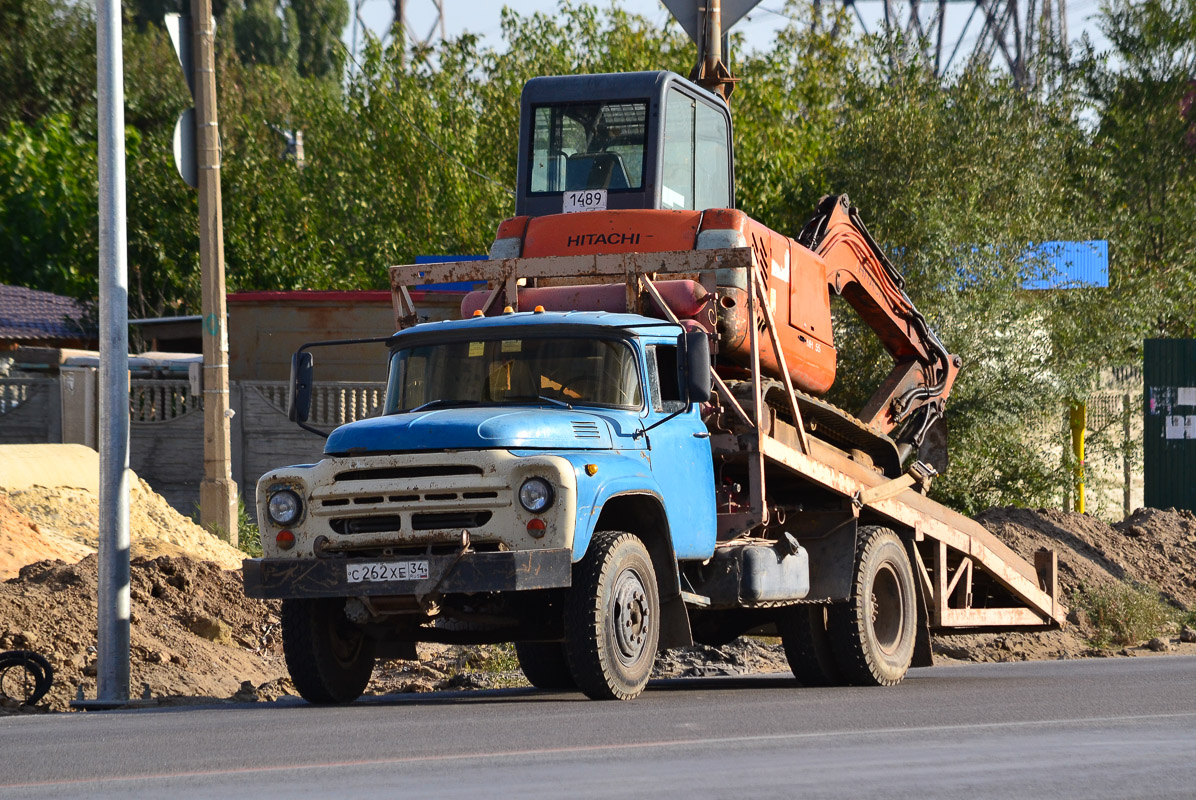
284,507
535,495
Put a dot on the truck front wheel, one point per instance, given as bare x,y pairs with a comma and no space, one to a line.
329,658
873,633
612,618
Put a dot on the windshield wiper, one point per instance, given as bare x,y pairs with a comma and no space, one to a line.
441,403
528,397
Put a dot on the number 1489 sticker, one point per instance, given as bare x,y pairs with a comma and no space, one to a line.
585,200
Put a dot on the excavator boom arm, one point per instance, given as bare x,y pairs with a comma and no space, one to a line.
909,403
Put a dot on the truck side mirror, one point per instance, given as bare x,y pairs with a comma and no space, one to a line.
696,346
301,380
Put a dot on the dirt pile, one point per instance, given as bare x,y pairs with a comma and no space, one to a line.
194,633
1153,547
155,528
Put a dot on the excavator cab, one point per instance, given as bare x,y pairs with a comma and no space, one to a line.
639,140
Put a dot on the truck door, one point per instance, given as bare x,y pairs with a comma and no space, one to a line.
679,449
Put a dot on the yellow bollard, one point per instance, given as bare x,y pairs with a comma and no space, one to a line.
1079,421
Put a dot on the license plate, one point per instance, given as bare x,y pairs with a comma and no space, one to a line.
585,200
389,571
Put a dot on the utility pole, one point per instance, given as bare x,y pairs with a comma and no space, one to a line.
112,639
217,492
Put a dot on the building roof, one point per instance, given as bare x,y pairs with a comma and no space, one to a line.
33,315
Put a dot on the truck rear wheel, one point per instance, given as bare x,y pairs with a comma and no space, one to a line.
545,665
872,635
612,618
808,646
329,658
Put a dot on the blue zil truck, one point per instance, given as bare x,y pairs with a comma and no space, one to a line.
621,447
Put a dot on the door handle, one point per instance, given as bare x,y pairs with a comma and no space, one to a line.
702,435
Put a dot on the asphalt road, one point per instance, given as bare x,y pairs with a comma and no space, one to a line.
1113,728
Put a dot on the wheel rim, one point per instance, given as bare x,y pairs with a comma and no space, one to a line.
631,616
888,609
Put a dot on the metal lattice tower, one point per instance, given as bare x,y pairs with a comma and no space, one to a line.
400,22
1017,35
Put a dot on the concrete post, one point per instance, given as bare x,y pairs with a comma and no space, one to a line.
218,492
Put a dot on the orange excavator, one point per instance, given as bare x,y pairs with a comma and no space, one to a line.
643,457
642,163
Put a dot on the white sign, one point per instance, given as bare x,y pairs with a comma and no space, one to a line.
1187,396
585,200
1180,427
392,571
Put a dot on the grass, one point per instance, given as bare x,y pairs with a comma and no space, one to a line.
492,658
249,538
1125,613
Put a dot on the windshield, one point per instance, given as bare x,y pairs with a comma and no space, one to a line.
589,146
599,372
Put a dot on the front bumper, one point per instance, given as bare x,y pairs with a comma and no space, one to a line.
512,571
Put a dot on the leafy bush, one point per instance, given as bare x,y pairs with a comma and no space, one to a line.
249,538
1124,613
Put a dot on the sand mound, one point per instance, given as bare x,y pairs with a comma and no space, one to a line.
154,527
23,542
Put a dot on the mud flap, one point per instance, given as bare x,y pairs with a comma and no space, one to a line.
674,623
923,652
829,539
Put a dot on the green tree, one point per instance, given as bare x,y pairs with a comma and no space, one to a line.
48,208
1145,171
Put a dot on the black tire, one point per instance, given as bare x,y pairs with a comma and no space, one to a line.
25,676
329,658
545,665
611,618
873,634
808,646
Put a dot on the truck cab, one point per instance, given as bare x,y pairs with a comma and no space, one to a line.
509,449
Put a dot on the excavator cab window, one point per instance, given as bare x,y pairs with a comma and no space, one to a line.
589,146
696,155
649,140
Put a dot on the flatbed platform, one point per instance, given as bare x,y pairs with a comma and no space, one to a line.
969,579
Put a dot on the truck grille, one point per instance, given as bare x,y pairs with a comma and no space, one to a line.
393,523
456,519
366,525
